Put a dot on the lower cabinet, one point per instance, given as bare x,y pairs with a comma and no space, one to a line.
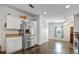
33,42
30,43
13,44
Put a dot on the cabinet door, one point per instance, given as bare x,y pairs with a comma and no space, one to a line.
33,41
18,22
18,43
10,45
12,22
13,44
34,33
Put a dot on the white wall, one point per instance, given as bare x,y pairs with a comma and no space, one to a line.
2,29
43,30
76,25
66,28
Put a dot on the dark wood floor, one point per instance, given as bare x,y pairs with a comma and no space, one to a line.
50,47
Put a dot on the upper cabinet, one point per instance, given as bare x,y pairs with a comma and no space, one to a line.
12,22
76,22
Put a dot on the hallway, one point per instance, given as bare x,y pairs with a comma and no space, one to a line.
50,47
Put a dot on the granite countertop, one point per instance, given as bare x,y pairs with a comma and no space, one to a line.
13,35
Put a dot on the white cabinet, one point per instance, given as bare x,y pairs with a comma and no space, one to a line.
12,22
33,42
34,33
13,44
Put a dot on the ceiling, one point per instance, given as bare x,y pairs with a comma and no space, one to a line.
54,11
58,10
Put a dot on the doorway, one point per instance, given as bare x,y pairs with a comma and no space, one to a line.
71,35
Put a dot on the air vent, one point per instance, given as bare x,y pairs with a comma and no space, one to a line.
31,6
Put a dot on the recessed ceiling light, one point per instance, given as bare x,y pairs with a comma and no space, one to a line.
67,6
45,12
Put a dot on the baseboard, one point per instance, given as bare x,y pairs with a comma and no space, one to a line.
60,40
40,43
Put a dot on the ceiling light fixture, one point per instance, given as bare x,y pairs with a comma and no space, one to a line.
45,12
67,6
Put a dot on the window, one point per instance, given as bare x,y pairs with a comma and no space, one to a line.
59,31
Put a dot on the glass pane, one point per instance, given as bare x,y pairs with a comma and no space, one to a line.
59,31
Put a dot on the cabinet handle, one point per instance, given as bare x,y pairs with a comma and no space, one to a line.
5,24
